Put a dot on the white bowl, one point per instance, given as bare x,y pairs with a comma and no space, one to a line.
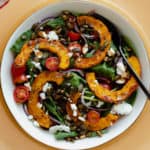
52,10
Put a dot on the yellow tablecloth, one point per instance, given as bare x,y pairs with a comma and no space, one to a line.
12,137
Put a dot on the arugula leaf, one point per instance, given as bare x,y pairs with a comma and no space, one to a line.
52,108
76,80
105,70
95,44
26,36
30,67
63,135
54,23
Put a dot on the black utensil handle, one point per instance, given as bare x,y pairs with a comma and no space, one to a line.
134,74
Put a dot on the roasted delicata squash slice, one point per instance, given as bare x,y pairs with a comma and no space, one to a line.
118,95
102,123
105,40
54,47
74,97
38,114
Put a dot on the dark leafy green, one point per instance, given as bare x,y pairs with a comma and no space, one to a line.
52,108
76,80
30,67
132,98
63,135
57,22
95,44
26,36
105,70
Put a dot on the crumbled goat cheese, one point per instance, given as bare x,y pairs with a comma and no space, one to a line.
37,53
28,76
36,124
111,52
56,128
75,113
52,36
120,81
42,95
44,35
27,84
70,54
37,65
73,106
100,103
81,118
39,105
121,109
46,87
120,68
30,117
85,49
74,109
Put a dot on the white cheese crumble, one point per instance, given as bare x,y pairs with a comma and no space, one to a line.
28,76
100,103
27,84
39,105
37,65
121,109
36,124
52,36
46,87
111,52
74,109
120,81
70,54
56,128
73,106
38,53
120,67
30,117
81,119
85,49
42,95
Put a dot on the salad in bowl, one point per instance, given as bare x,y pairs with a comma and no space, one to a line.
70,78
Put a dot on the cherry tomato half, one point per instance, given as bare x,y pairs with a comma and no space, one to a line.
74,36
52,63
20,79
17,71
74,47
21,94
93,116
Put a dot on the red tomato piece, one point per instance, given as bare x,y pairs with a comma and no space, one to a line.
75,47
17,71
52,63
21,94
74,36
20,79
93,116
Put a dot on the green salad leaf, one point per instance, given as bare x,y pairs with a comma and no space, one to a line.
57,22
105,70
63,135
52,108
26,36
76,80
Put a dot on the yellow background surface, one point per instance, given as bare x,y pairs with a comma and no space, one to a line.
12,137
